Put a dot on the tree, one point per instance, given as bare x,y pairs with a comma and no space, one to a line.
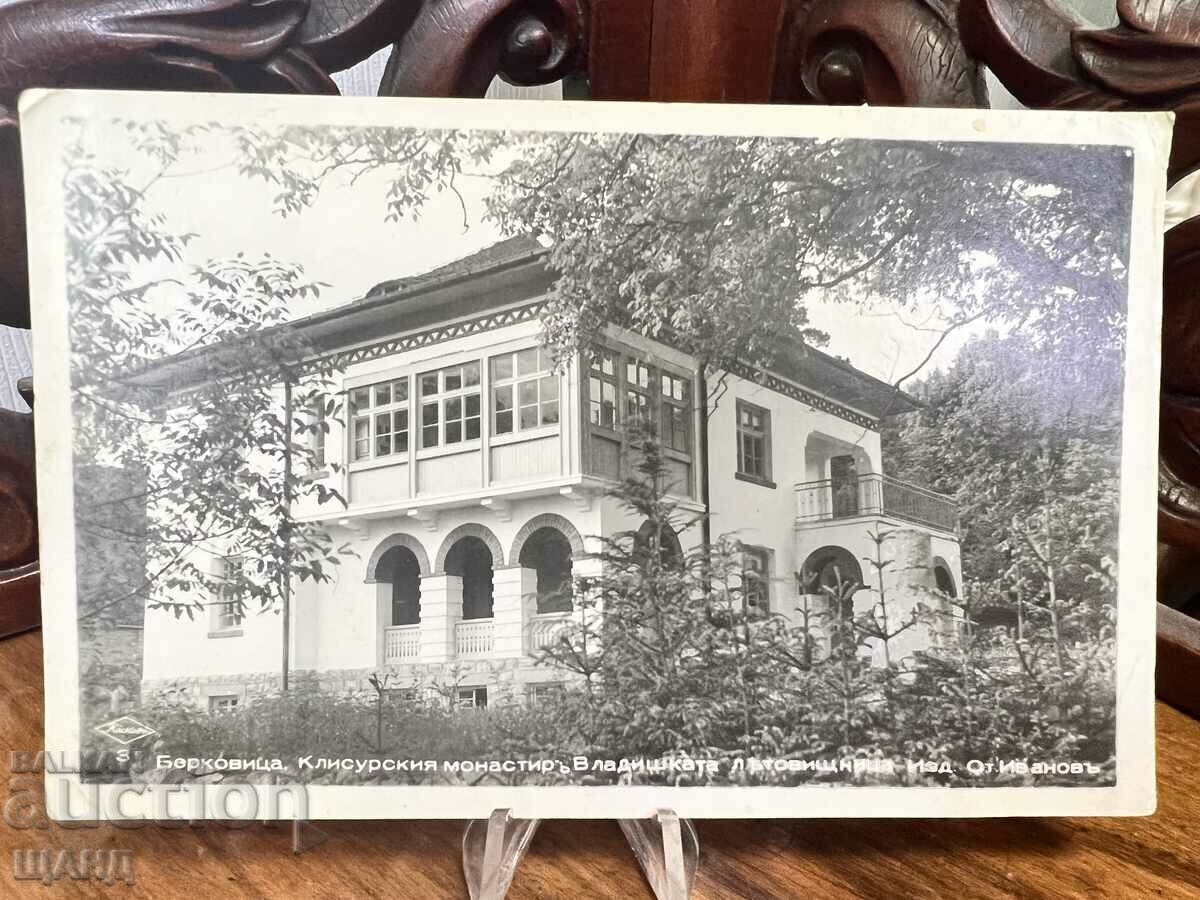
718,242
673,659
210,457
1028,439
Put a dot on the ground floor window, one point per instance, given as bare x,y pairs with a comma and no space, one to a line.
222,703
537,695
756,579
472,698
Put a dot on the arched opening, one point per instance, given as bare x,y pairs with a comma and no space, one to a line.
943,579
835,575
400,568
548,552
666,543
830,570
471,560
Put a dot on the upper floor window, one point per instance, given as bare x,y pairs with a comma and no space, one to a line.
602,389
753,441
317,436
676,405
379,419
524,391
450,410
637,391
647,394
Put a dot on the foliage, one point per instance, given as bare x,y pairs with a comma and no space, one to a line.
1028,440
718,242
201,449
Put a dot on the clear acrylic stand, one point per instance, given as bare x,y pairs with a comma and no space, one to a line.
668,851
666,848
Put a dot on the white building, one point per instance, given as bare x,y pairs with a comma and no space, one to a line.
476,480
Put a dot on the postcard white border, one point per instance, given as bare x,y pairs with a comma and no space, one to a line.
1147,135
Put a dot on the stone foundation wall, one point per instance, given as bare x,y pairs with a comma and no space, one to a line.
505,680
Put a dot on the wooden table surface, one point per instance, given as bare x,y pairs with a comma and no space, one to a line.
1157,856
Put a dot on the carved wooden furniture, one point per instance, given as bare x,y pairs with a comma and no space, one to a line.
916,52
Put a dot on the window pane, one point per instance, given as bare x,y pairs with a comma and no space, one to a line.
362,438
471,374
453,432
454,408
527,361
472,404
383,394
608,365
504,422
429,384
401,417
360,398
429,436
549,387
383,444
401,442
472,428
550,413
527,392
503,397
502,367
429,414
529,416
453,379
608,405
400,390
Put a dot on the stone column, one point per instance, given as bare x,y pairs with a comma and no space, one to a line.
441,611
908,581
587,566
514,600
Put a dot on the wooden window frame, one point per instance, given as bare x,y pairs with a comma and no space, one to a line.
765,478
372,411
544,380
623,356
441,400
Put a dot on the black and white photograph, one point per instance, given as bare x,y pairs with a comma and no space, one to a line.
609,456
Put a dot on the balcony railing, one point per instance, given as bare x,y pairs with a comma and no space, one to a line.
401,643
545,629
874,495
473,637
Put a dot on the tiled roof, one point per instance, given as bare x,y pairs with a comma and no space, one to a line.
16,361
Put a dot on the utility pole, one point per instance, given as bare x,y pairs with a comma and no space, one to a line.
285,586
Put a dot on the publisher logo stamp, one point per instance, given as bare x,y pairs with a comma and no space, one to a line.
125,730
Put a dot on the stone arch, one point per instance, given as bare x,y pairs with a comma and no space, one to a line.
547,520
827,561
668,540
943,577
469,529
397,540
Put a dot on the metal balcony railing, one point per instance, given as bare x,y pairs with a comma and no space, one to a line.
873,494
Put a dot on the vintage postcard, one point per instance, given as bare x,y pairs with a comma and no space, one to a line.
416,458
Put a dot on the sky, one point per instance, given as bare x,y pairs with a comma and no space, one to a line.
344,241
